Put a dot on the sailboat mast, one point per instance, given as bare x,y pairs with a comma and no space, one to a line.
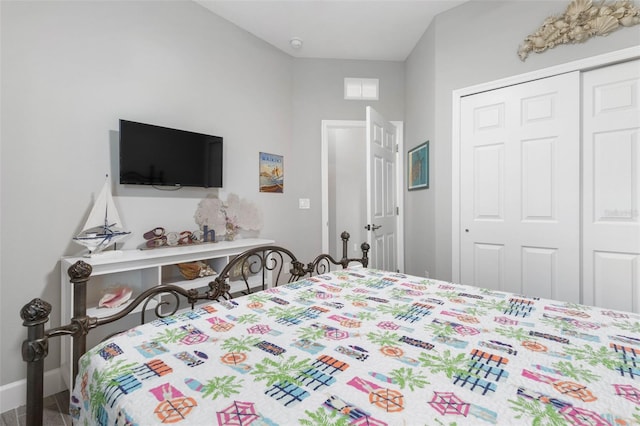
106,211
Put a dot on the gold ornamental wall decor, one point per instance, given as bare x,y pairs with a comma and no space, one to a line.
581,21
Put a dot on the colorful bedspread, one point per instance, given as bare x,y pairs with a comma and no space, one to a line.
367,347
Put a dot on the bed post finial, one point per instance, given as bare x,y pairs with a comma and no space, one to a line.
365,254
35,315
35,312
79,271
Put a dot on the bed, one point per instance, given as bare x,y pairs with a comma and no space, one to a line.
360,346
263,266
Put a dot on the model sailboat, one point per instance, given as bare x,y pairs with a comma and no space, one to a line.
103,227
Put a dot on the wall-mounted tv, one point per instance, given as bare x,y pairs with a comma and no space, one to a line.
161,156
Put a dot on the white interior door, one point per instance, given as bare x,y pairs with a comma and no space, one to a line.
520,188
382,208
611,185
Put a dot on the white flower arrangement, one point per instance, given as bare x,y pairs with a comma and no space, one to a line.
228,218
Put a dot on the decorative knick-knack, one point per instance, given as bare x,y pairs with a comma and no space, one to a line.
232,230
227,218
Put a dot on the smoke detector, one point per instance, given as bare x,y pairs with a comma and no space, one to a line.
295,43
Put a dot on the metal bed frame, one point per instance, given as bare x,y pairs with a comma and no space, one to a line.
265,262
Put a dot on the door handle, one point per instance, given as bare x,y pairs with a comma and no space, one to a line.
372,227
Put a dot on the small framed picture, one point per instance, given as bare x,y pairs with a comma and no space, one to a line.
418,177
271,173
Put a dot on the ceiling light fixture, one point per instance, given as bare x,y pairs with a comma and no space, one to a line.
296,43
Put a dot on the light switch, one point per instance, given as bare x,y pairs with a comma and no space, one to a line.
304,203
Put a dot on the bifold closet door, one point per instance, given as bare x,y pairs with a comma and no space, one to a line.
611,185
520,188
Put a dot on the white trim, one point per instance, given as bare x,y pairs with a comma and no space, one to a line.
400,166
455,187
14,395
579,65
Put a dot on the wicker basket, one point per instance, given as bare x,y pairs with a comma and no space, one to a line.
193,270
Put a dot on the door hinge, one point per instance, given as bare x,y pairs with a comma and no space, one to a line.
396,147
397,211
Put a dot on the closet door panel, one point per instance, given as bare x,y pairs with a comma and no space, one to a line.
611,187
616,275
538,179
488,162
489,271
615,177
519,188
540,270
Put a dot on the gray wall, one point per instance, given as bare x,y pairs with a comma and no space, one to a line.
420,110
474,43
70,70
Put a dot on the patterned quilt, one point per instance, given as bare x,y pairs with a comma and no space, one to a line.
368,347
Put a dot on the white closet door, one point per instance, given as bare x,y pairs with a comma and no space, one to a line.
611,215
520,188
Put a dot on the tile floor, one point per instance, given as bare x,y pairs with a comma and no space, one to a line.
55,413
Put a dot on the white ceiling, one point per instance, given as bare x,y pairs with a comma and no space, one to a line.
339,29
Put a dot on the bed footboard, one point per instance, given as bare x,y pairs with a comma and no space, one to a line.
323,263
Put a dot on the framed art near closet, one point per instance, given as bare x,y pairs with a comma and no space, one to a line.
418,162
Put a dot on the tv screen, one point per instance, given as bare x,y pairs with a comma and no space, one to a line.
155,155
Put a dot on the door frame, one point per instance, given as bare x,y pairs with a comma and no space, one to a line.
457,95
326,126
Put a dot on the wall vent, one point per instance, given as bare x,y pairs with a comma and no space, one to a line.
361,89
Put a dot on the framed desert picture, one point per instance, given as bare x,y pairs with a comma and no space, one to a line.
418,163
271,173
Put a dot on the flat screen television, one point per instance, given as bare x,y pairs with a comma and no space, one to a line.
161,156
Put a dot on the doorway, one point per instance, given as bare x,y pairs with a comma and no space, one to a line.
344,206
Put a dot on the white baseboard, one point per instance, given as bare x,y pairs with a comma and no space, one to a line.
13,395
